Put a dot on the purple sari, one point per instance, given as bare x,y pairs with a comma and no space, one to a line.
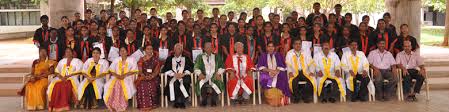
282,79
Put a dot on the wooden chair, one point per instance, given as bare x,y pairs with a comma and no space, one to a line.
195,80
192,96
253,95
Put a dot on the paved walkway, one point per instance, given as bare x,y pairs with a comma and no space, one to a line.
438,103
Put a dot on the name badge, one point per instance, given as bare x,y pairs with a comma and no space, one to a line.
149,70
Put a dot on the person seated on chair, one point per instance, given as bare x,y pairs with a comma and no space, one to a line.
239,67
356,66
177,67
384,68
412,66
273,76
209,68
330,81
300,68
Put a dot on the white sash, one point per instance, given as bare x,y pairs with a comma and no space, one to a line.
241,84
209,66
172,81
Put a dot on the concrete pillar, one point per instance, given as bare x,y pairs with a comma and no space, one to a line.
59,8
406,12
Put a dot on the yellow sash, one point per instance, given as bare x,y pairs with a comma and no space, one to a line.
122,82
304,71
63,73
94,83
355,68
327,74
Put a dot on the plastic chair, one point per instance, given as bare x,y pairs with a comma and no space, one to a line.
195,80
253,95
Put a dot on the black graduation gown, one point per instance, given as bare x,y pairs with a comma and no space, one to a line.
84,44
399,43
388,36
216,43
311,16
322,38
59,48
133,46
227,44
168,67
263,40
107,44
41,35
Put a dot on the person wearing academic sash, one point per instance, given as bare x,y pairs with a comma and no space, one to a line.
286,40
184,37
344,41
273,76
105,41
42,34
62,89
178,69
356,66
120,87
209,68
404,36
131,41
147,85
267,36
198,41
382,33
84,46
412,66
55,46
365,43
229,39
90,88
239,68
384,68
330,83
213,37
163,44
300,69
250,43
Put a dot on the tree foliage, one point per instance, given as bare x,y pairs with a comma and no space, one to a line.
438,5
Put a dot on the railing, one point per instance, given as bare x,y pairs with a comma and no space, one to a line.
19,17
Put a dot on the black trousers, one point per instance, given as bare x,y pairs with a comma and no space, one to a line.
208,94
330,91
412,74
89,100
302,91
179,97
360,89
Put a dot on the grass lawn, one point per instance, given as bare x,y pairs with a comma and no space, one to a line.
432,35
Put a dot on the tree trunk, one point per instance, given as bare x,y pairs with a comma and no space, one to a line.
446,25
112,6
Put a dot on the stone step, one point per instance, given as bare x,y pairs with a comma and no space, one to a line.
438,83
15,70
9,89
436,62
437,71
11,77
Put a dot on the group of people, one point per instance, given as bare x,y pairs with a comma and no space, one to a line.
106,61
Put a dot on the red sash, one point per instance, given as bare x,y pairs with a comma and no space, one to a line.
386,38
180,41
195,44
163,46
364,41
87,50
231,45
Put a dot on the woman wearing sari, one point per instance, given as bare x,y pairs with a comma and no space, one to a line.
91,87
37,84
62,88
147,85
273,77
120,87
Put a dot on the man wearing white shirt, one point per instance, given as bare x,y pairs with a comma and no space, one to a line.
384,68
356,66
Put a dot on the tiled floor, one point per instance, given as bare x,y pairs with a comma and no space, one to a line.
439,103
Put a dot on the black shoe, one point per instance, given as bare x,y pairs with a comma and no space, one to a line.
324,101
213,104
182,105
203,103
414,98
332,100
354,99
307,101
176,105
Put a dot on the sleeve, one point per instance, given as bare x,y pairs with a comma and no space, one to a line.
58,68
104,67
310,63
364,61
317,61
85,67
398,58
229,64
281,62
344,62
198,65
188,67
249,64
167,70
336,62
391,59
419,60
113,66
371,57
133,65
260,62
288,61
